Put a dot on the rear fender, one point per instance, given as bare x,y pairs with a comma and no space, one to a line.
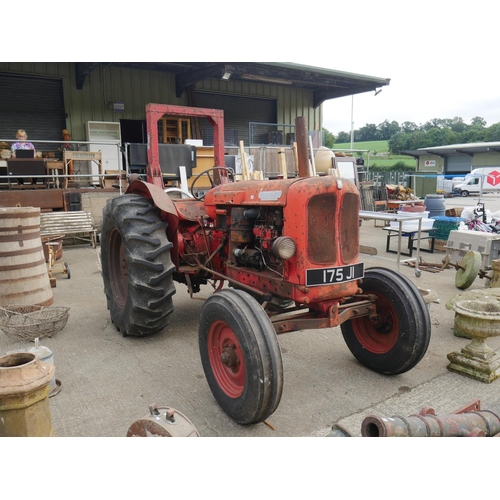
167,207
156,193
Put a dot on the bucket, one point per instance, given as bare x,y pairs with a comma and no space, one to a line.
24,279
435,204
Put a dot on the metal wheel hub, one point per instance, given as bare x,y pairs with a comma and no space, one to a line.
382,323
229,356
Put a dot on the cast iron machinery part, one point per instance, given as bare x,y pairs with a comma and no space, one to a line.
396,338
136,265
163,421
207,172
241,356
467,270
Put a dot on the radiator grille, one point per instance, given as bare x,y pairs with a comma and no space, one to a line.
322,232
349,228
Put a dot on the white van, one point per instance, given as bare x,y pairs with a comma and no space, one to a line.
480,180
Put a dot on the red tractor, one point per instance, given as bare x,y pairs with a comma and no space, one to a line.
288,250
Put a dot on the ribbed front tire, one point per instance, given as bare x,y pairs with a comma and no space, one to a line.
396,339
241,356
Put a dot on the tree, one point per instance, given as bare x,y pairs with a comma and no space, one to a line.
457,124
439,137
367,133
493,133
408,127
343,137
397,143
407,142
474,133
434,123
477,120
387,129
328,139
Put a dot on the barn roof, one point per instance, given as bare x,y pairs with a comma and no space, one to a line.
325,83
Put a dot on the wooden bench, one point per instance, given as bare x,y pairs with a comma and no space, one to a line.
74,224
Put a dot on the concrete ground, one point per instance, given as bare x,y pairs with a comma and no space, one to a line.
108,381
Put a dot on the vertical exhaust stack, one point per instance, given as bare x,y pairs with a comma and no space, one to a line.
302,146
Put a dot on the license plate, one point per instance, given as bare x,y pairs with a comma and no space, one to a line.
333,275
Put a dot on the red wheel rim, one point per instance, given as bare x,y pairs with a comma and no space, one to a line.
380,334
226,359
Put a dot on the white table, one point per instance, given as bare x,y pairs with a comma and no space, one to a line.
400,219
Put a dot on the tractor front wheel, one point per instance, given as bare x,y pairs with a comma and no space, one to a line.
136,265
241,356
397,337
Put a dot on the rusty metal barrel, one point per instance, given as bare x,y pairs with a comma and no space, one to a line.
24,392
24,279
480,423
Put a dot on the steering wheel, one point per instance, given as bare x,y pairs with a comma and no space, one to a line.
178,190
209,173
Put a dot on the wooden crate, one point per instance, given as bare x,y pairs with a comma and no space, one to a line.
439,245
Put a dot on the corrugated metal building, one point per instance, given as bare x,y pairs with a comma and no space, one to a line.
43,98
450,160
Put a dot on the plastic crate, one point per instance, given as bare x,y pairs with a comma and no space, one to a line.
487,244
412,225
443,225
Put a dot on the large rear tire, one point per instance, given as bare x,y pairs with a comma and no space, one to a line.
397,339
241,356
136,265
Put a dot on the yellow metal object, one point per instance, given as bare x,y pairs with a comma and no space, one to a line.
24,391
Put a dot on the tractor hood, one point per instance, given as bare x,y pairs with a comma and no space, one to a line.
266,192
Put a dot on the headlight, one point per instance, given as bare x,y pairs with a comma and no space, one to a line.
284,247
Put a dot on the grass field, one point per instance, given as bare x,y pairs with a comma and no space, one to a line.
379,153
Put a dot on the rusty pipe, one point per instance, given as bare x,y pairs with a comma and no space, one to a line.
478,423
301,137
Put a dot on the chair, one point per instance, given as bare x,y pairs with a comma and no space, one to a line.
380,198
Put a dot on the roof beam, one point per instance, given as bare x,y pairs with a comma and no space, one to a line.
184,80
431,152
324,95
82,70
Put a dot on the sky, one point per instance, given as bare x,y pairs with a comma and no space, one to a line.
440,56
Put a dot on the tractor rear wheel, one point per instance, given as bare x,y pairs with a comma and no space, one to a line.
136,265
241,356
397,338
